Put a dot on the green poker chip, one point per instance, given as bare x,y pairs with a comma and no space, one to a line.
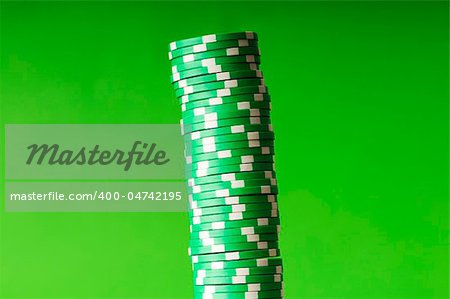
238,129
231,185
233,217
234,208
231,153
224,92
212,102
212,124
234,224
268,189
239,272
238,288
210,62
221,116
232,247
233,239
250,263
196,151
230,169
208,148
235,255
201,48
191,89
206,235
231,138
232,51
205,113
214,69
232,111
238,279
236,232
235,141
272,294
244,159
232,200
232,177
211,38
259,157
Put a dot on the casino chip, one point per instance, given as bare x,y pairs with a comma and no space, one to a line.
230,166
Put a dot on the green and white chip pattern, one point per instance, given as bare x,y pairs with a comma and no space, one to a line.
230,185
229,151
230,209
242,231
235,256
213,69
231,107
189,128
237,129
222,92
272,294
230,177
257,97
212,38
213,61
233,200
211,46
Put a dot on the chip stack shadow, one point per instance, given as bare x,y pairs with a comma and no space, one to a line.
229,151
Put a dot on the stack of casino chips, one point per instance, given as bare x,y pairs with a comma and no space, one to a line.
229,151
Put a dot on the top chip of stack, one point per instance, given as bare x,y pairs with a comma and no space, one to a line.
229,150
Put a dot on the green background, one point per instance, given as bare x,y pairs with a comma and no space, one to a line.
360,112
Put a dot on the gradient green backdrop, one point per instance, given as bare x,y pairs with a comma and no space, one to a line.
360,113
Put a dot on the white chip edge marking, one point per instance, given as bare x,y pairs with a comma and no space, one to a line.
199,48
210,38
237,129
224,154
